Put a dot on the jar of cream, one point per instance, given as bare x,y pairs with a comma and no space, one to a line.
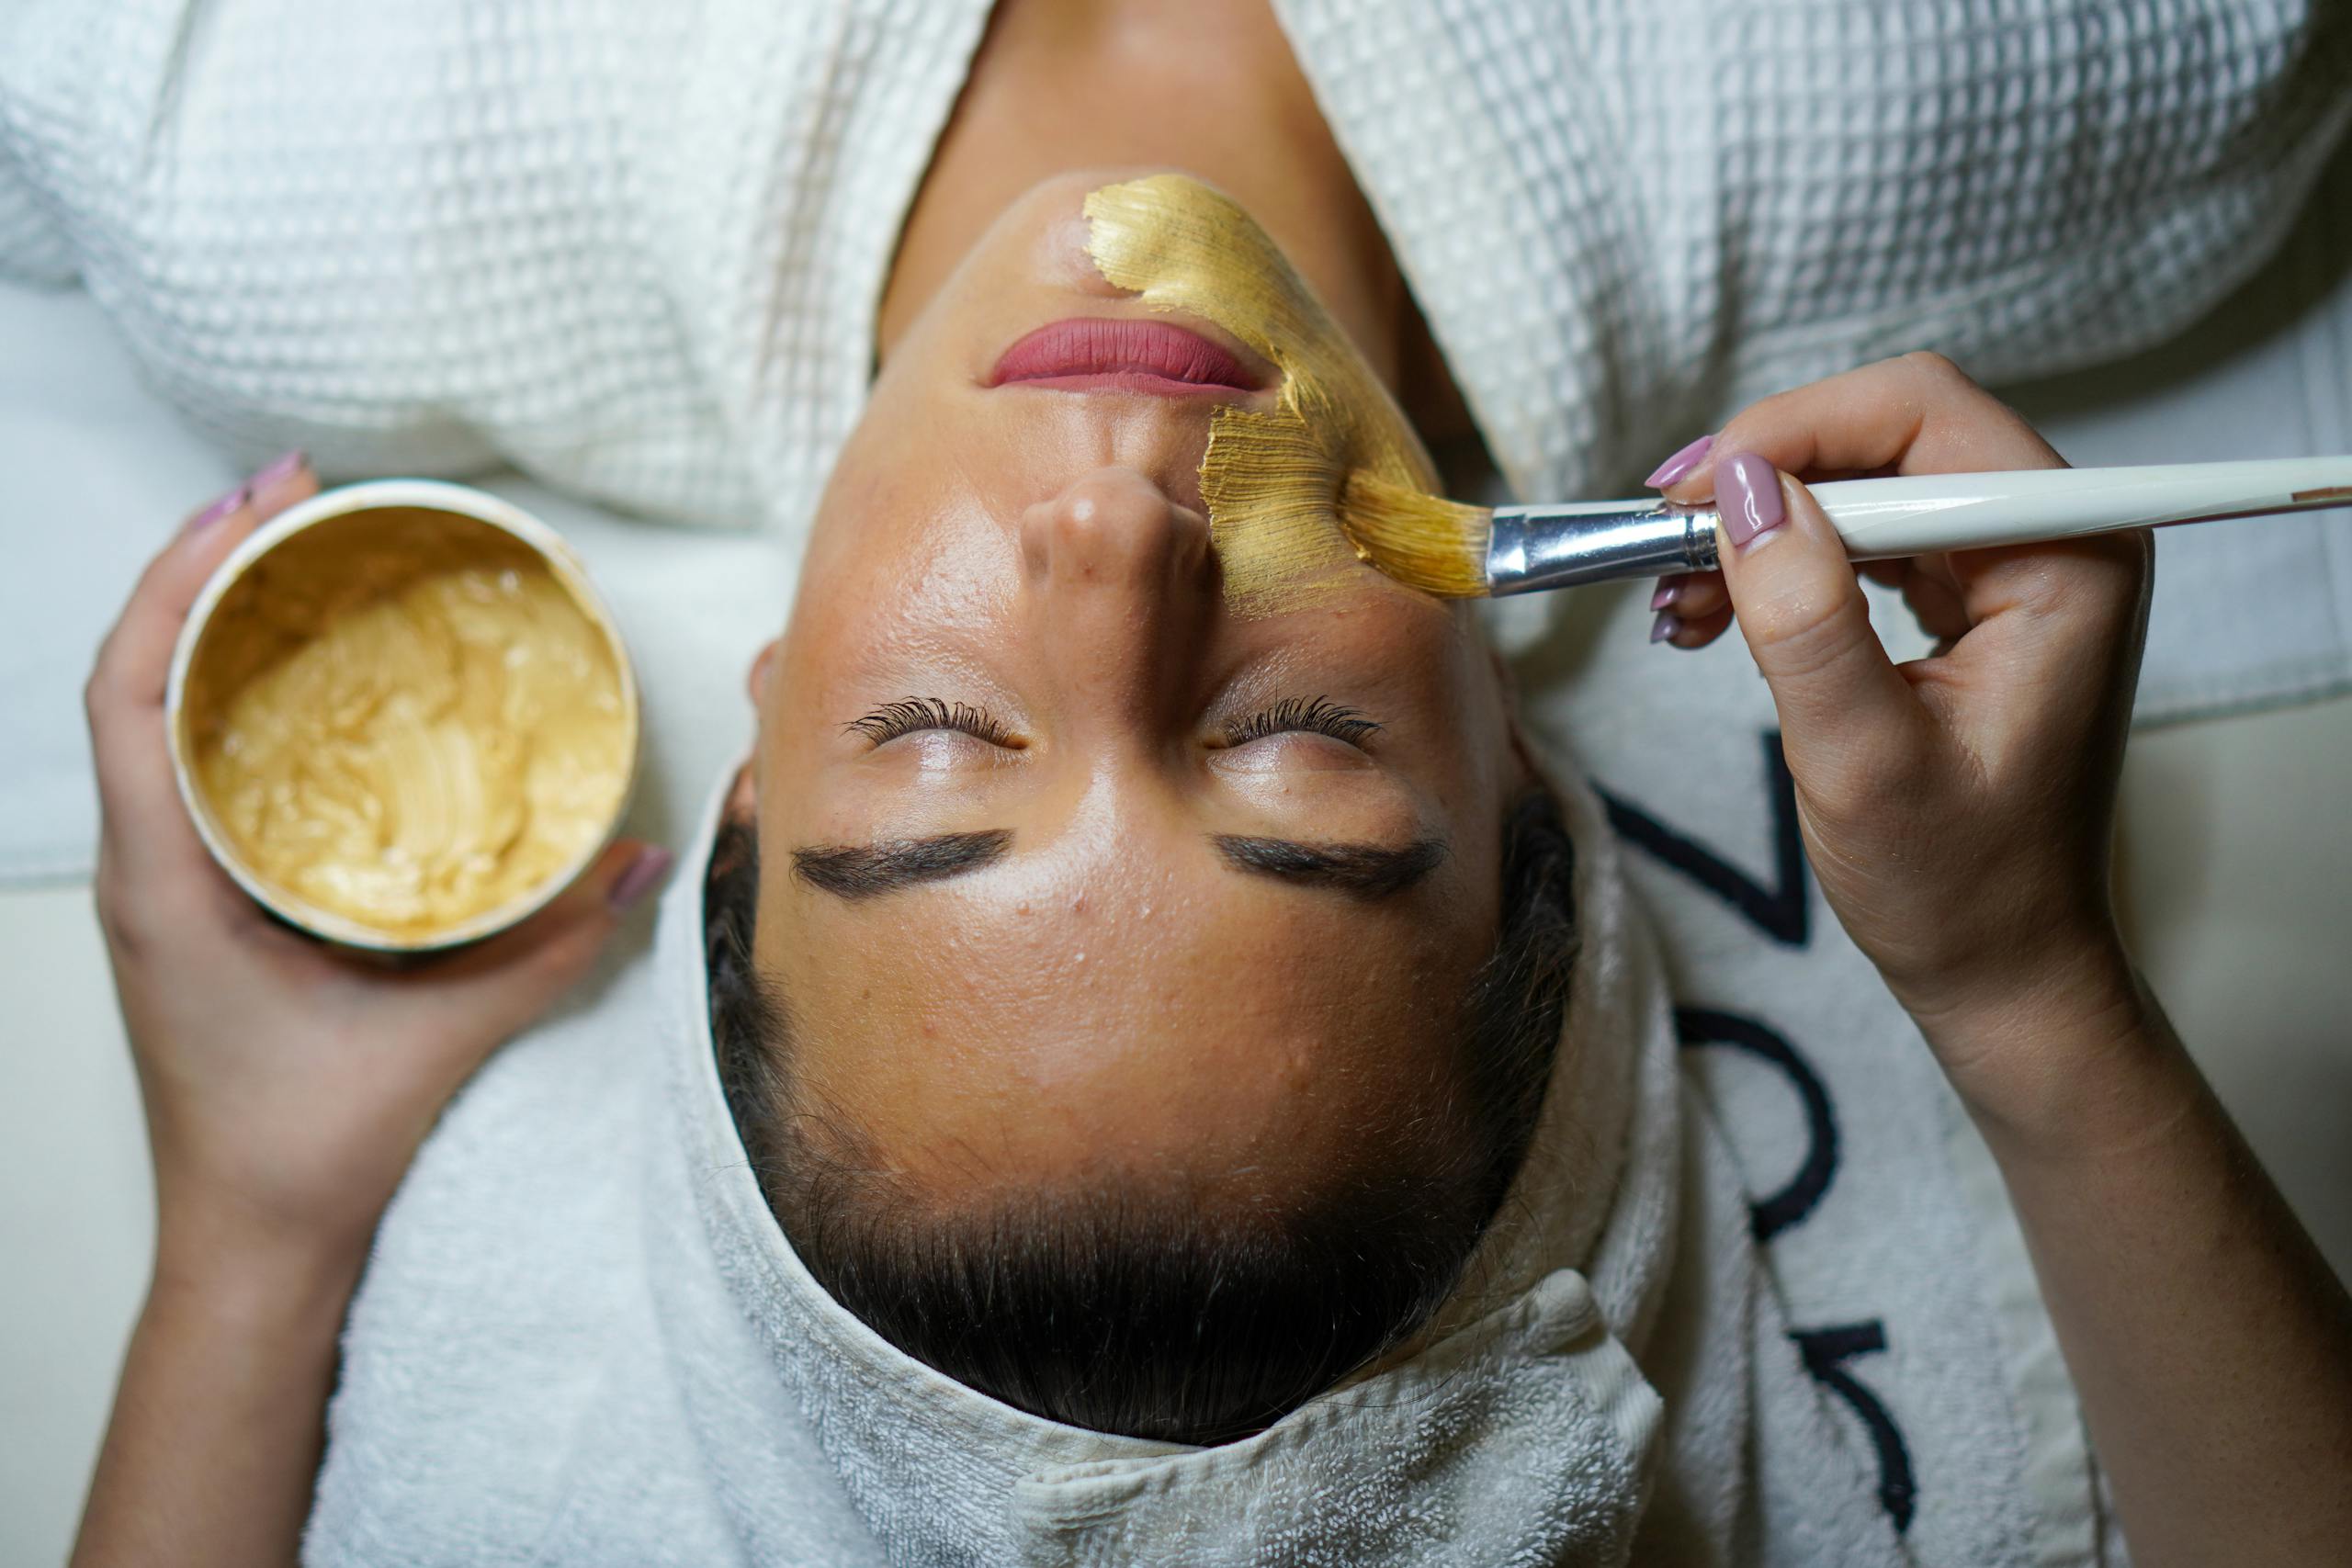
400,716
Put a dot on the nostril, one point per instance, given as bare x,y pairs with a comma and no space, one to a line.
1192,539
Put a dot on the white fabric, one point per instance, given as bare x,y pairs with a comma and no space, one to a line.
635,250
1883,1232
583,1338
2239,622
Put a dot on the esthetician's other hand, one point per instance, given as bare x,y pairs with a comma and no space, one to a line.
286,1085
1957,809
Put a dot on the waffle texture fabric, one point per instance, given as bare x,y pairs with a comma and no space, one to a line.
637,250
632,249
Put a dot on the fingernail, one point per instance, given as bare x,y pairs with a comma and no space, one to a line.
1747,492
1681,463
1665,626
1667,592
652,862
219,509
277,470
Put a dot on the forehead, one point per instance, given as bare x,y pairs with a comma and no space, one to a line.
1175,1014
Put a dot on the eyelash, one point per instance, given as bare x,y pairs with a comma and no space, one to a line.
1320,715
907,717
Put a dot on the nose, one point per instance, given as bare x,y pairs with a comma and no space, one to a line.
1123,584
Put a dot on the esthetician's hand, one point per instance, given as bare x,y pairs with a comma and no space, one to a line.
286,1085
1957,809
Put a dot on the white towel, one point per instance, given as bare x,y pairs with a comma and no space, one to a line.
583,1338
1879,1219
635,250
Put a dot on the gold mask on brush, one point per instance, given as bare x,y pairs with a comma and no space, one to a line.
1275,482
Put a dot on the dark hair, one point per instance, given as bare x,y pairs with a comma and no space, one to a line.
1148,1313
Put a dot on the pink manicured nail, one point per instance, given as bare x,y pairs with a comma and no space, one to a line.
277,470
1681,463
1667,592
1747,492
219,509
652,862
1665,626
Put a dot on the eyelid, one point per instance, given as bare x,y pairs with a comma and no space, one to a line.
1318,715
910,716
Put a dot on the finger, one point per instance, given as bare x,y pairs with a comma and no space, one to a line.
144,830
1917,414
1935,603
286,482
1806,620
136,658
1671,628
498,986
1692,595
2069,618
125,695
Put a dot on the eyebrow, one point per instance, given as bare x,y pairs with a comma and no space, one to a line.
1368,872
886,865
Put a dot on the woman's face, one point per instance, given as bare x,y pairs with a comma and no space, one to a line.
1068,870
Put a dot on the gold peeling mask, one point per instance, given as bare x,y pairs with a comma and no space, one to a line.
400,716
1272,480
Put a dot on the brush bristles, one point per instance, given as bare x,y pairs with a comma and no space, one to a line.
1422,541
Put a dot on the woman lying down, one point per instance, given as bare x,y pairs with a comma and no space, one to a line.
1120,1078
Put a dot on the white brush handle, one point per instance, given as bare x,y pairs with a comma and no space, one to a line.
1531,549
1920,512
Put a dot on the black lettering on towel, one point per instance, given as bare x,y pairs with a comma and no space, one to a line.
1776,1210
1779,911
1826,1353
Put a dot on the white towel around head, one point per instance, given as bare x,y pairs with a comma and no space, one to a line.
582,1325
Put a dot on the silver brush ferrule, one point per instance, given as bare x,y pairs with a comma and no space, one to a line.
1535,547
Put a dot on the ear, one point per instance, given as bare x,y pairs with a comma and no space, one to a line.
756,683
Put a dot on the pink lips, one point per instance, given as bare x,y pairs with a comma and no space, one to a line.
1098,354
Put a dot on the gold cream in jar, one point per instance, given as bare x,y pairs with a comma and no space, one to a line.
401,717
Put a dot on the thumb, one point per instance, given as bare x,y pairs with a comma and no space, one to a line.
506,982
1806,622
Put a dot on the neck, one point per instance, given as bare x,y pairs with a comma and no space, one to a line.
1207,86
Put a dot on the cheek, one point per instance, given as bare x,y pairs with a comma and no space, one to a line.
918,573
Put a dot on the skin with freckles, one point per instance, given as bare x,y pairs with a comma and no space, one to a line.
1112,988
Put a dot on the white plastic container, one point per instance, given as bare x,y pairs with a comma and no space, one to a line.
370,518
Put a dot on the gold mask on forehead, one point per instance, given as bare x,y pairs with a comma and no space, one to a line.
1272,480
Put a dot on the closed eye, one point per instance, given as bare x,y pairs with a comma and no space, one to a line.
1318,715
911,716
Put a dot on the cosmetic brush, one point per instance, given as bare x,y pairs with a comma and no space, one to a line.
1460,551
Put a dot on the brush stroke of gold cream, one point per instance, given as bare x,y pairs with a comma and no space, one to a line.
1271,479
404,719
